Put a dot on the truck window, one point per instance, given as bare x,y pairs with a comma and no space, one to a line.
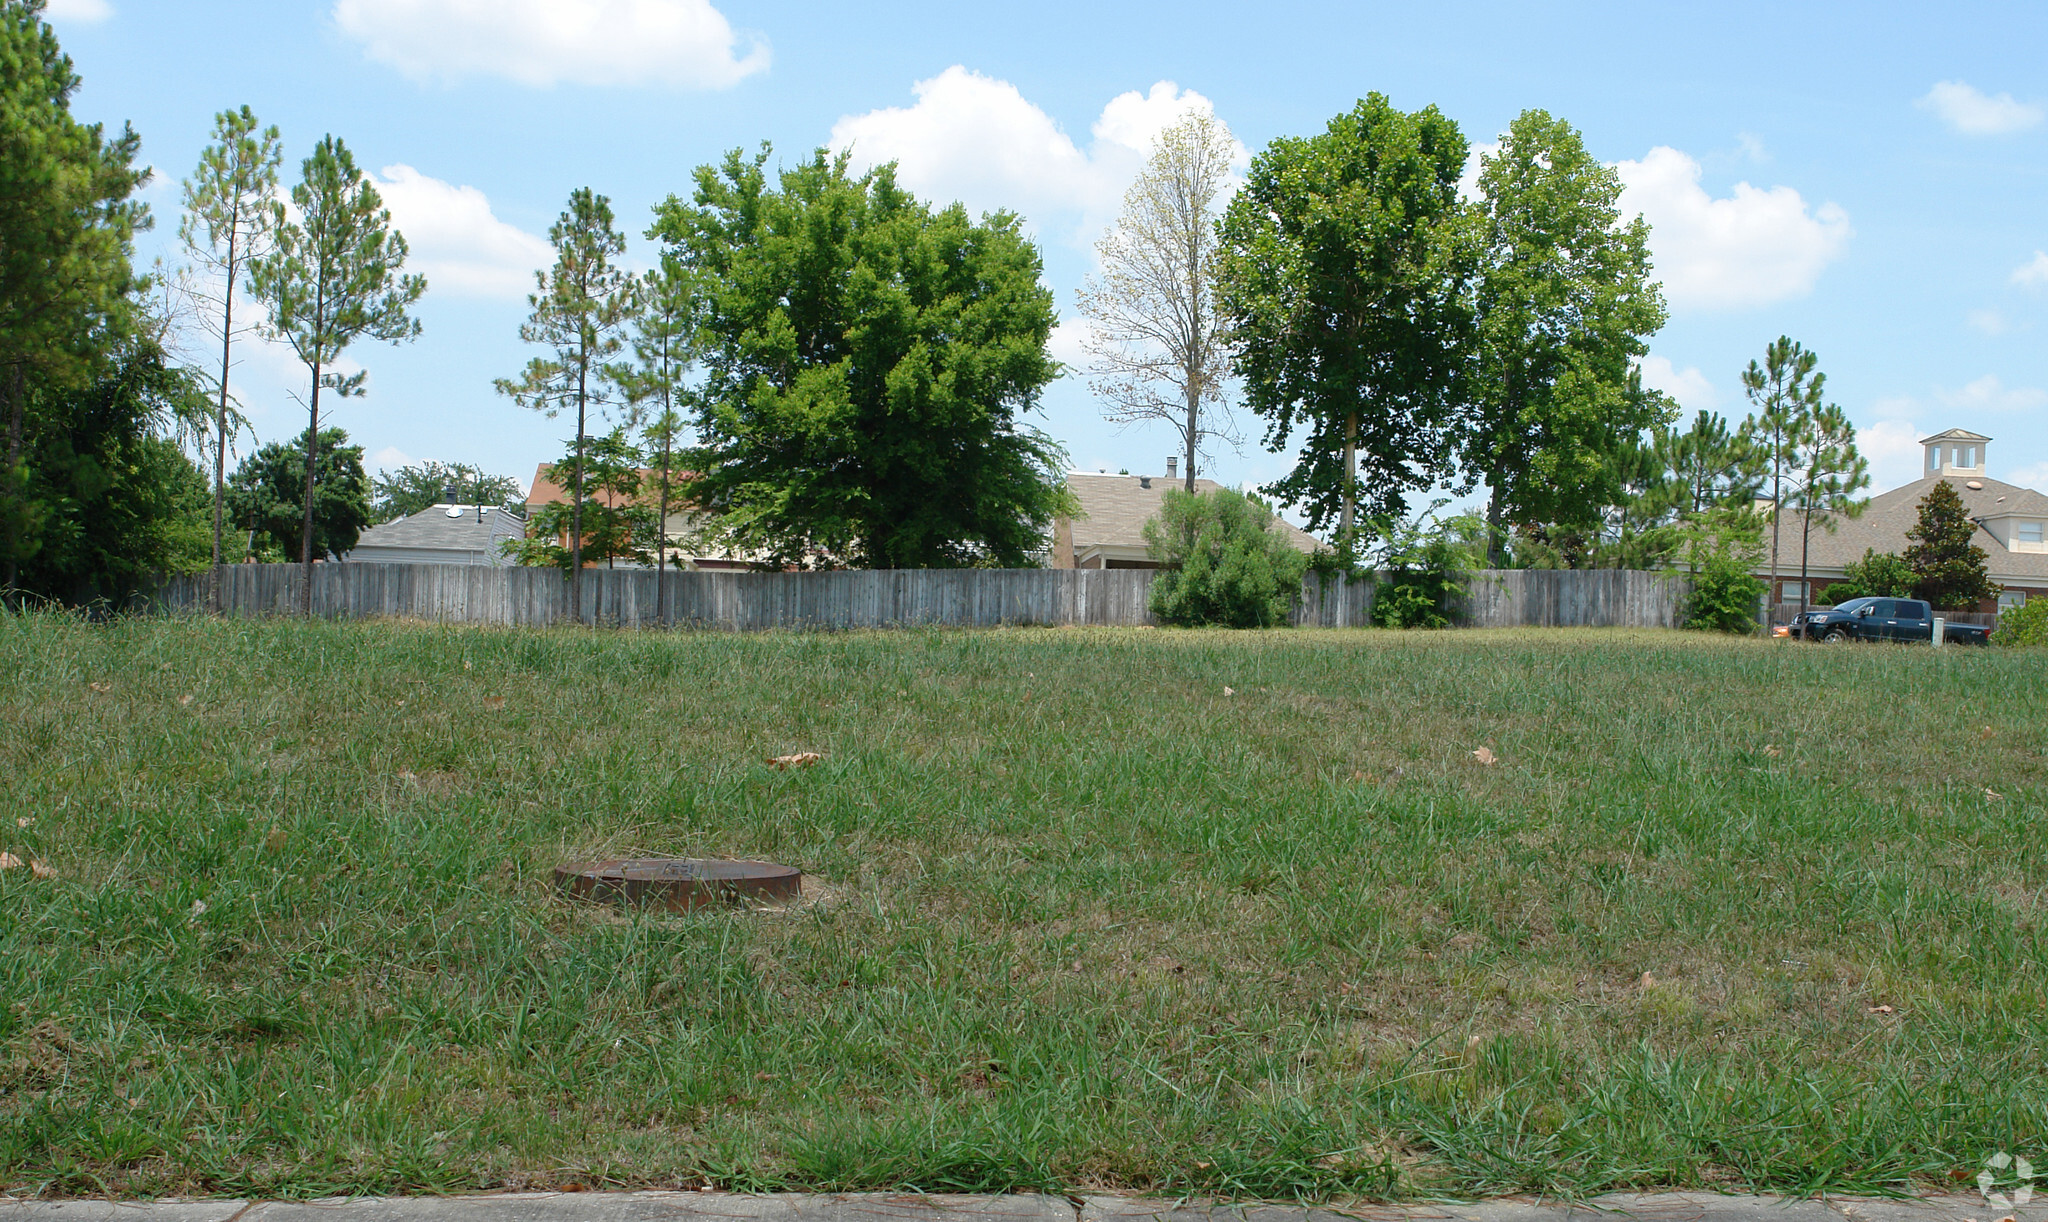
1884,608
1909,611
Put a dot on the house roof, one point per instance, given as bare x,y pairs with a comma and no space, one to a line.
1889,515
1955,435
1116,508
433,528
545,491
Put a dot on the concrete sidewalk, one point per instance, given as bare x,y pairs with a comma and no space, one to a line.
886,1207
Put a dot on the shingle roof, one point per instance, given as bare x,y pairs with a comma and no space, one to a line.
433,528
1955,435
1118,506
1884,523
545,491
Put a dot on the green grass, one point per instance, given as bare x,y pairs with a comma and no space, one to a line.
1083,920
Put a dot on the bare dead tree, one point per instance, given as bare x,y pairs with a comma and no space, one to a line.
1159,349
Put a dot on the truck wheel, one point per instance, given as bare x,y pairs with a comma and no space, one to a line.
1836,636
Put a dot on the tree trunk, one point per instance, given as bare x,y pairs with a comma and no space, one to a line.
1777,496
1805,550
576,510
17,489
661,521
1194,418
1496,551
1345,543
220,424
306,536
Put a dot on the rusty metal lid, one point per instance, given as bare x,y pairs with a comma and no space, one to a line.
679,883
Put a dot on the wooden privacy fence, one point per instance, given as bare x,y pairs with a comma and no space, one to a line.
1573,598
476,594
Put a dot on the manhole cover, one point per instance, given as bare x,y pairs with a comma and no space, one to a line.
679,884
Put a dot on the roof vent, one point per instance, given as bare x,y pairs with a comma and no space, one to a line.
1144,481
1975,484
455,511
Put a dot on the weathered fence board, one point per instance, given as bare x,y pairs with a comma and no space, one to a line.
987,598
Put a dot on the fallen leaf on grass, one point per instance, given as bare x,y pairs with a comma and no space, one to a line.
103,688
9,861
37,868
1648,981
198,908
184,701
802,759
1229,691
1994,795
1987,733
494,703
1880,1009
1772,751
1486,756
24,821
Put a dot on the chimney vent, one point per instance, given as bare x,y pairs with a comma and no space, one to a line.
1173,467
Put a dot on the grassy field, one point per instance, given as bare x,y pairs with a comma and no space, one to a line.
1140,910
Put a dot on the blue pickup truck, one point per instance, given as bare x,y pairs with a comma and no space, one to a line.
1883,619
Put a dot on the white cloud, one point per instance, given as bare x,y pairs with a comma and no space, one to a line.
1989,394
2035,477
2034,274
1468,182
549,42
388,459
79,10
457,243
1975,113
1990,322
1892,447
976,139
1066,344
1752,248
1689,386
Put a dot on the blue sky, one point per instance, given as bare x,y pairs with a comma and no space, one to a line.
1871,179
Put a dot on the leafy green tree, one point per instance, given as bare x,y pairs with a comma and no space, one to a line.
1160,350
1948,566
1722,548
1831,473
664,350
408,490
267,496
227,223
67,224
334,276
616,521
866,362
1343,274
122,505
1877,575
1223,560
1710,465
580,310
1786,390
1564,302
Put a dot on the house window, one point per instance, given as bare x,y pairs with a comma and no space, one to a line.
2030,532
1791,591
2011,598
1933,457
1966,456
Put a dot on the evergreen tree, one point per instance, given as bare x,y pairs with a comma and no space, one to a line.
1948,566
266,497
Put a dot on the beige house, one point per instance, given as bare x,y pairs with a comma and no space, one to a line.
1110,533
2010,525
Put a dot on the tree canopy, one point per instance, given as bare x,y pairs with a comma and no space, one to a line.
867,364
1948,566
1343,273
266,496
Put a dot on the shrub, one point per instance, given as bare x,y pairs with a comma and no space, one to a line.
1722,547
2023,625
1428,566
1224,562
1877,575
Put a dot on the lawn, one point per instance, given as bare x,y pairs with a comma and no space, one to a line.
1133,910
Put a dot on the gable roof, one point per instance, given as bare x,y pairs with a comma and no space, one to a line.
1118,506
1889,515
1955,435
434,529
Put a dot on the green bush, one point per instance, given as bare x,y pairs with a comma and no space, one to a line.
2023,625
1428,566
1877,575
1225,564
1722,547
